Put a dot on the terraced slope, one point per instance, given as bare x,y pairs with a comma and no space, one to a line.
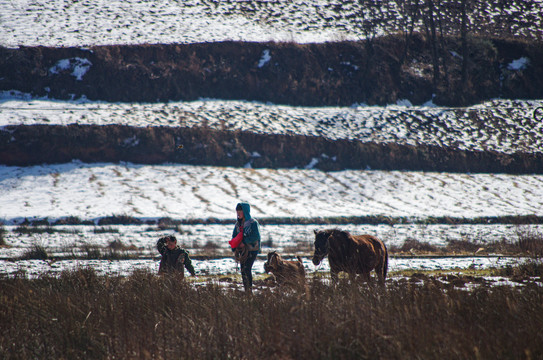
498,136
304,87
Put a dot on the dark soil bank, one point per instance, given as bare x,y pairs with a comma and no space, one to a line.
29,145
379,71
375,72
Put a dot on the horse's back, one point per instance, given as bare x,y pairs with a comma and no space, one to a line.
374,249
369,241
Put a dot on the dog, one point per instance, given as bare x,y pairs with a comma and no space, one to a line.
285,272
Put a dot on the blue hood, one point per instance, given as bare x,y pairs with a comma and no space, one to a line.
246,210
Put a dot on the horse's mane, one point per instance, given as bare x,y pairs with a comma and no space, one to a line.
336,231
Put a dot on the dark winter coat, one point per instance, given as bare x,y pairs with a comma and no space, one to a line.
173,260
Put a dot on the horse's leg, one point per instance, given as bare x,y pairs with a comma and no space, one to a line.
382,268
366,276
381,278
379,270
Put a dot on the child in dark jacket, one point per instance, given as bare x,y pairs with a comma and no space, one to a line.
174,259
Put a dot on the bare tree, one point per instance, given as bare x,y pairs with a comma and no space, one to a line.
371,19
409,16
464,40
429,17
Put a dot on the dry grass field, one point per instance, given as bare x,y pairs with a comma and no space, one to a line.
80,315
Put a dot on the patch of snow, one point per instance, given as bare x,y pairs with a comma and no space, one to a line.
104,22
347,63
131,142
78,67
404,102
430,104
455,54
312,164
184,191
519,64
266,57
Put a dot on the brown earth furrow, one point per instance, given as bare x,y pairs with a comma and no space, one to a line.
38,144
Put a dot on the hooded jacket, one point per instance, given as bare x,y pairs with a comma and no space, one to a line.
250,228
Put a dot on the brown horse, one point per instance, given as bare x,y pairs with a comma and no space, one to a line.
354,254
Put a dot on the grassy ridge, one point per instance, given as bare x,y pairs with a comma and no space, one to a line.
81,315
377,72
221,147
167,223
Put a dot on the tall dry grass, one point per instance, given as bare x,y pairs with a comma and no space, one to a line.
83,316
530,241
2,234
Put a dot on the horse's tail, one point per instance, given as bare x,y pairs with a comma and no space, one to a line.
385,265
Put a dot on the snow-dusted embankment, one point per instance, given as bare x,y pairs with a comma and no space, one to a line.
505,126
91,191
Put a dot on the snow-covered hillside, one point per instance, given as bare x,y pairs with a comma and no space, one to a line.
510,125
198,192
105,22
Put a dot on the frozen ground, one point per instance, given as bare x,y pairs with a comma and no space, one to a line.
34,268
287,239
213,239
506,126
105,22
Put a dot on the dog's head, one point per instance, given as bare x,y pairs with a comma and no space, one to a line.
272,264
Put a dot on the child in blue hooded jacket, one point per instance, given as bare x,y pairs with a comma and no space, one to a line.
251,241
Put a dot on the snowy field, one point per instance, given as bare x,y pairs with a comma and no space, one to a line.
506,126
287,239
105,22
203,240
91,191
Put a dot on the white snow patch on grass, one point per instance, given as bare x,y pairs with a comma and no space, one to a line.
266,57
77,66
519,64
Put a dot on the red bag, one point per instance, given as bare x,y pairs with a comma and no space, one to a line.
234,243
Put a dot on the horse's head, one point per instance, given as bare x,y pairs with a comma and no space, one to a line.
321,246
